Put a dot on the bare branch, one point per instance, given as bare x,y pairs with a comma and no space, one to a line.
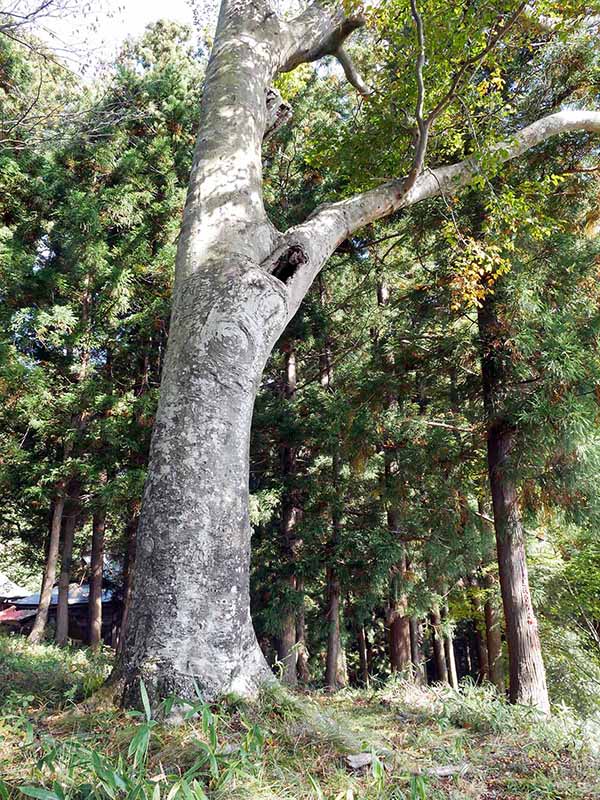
423,125
352,75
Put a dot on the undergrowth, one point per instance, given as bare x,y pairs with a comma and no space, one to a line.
418,743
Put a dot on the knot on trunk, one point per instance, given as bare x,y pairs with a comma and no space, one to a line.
288,262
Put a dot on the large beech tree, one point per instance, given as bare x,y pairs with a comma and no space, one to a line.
238,283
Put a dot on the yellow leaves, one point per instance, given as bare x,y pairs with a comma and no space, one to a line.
493,83
477,267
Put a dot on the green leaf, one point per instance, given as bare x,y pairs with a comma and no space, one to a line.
145,701
39,793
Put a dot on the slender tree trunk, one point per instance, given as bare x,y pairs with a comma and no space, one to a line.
287,653
482,653
493,637
41,618
450,657
416,651
480,632
69,524
399,623
302,663
291,515
441,668
527,672
363,658
128,574
96,575
336,676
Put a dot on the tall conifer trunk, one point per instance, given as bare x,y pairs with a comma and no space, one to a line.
416,651
493,636
527,672
41,618
399,621
69,524
96,575
290,517
437,641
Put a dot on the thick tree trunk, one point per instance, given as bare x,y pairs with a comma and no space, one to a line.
189,623
437,639
41,618
527,672
493,637
96,575
195,513
69,524
526,666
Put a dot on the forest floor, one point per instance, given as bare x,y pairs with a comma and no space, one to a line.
414,743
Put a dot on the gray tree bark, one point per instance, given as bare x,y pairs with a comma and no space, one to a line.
238,282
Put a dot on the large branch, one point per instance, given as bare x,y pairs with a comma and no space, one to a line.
308,245
319,32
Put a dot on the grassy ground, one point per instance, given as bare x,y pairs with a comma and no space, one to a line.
53,747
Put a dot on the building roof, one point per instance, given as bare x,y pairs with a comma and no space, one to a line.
9,589
13,614
78,595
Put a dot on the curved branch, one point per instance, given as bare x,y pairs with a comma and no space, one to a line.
319,32
329,225
353,76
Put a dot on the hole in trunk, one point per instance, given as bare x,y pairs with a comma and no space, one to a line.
288,263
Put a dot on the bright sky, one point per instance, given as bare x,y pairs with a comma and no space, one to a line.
136,14
102,31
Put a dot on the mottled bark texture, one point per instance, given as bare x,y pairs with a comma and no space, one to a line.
238,282
526,665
